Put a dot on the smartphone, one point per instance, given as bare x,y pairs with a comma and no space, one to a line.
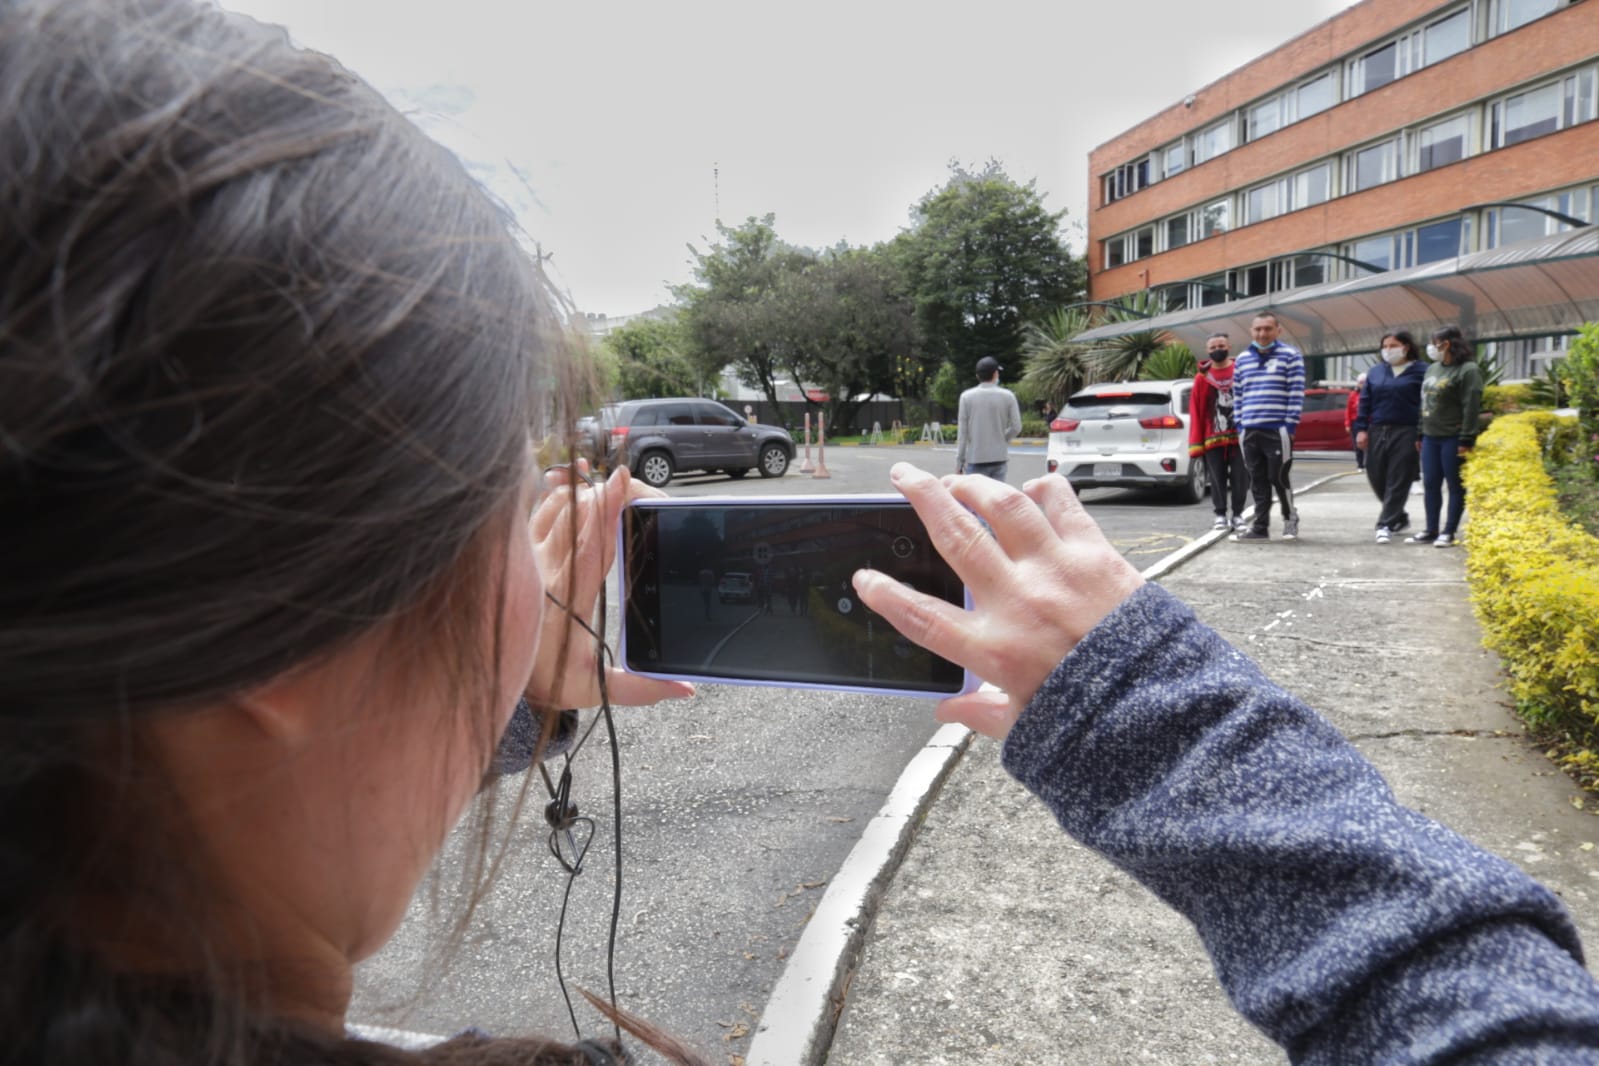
757,591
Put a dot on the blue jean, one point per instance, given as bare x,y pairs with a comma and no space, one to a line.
1440,462
993,470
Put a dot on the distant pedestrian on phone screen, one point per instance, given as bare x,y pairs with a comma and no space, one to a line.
989,418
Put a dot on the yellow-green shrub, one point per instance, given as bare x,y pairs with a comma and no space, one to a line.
1534,575
1507,399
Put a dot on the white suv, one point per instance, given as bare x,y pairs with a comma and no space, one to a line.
1129,434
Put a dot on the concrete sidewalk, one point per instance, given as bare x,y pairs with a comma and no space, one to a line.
1002,941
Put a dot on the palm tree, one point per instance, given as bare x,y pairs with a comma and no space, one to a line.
1170,362
1052,366
1121,358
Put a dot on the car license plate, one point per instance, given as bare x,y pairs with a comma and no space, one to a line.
1107,470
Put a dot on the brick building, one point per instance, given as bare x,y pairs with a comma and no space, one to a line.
1388,137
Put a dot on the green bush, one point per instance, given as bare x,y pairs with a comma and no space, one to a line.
1507,399
1535,578
1035,427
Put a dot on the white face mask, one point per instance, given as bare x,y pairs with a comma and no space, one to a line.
1393,356
1432,351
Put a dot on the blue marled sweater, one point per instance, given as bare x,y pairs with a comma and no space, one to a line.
1348,928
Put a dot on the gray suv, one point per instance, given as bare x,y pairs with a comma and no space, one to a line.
659,438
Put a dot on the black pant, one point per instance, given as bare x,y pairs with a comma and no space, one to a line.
1228,478
1269,455
1392,461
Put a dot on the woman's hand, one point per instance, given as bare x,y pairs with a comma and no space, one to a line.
1042,580
574,554
1360,440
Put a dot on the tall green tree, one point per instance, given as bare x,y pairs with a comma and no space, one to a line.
732,314
1122,358
983,257
651,359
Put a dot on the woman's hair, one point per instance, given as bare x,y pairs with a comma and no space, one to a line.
267,359
1453,344
1412,353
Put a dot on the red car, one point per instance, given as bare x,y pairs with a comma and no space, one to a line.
1321,424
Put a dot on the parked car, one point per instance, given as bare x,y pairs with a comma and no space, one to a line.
660,438
1128,435
1321,423
735,587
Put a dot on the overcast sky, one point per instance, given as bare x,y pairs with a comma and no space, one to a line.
618,131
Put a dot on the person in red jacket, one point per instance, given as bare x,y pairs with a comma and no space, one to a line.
1351,409
1212,434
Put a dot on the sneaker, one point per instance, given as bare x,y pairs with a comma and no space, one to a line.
1384,534
1421,538
1221,523
1291,528
1251,534
1239,525
1402,524
1445,540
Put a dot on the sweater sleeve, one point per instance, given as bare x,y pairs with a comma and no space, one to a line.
1470,403
1363,406
1014,428
1347,927
1198,415
960,432
1296,392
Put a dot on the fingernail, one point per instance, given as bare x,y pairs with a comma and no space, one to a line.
862,579
907,472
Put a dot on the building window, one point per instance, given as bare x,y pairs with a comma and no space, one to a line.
1373,166
1507,225
1115,252
1211,290
1208,144
1126,180
1313,186
1316,95
1263,202
1580,98
1511,14
1378,251
1263,119
1215,218
1305,270
1441,240
1529,114
1448,36
1176,232
1374,69
1176,157
1442,143
1144,243
1247,281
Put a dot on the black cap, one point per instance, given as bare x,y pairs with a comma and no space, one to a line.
987,366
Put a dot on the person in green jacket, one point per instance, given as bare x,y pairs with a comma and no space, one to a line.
1451,396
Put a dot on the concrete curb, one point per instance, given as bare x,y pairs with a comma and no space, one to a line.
797,1024
796,1027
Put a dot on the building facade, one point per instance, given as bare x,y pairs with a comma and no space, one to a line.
1392,135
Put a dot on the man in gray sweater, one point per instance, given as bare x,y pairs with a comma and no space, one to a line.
989,418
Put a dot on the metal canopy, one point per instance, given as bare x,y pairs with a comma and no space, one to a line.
1530,289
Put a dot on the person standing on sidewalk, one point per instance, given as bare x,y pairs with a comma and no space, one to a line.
1351,409
1387,426
1451,397
1212,434
989,417
1268,397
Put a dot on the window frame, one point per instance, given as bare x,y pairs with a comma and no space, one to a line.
1468,139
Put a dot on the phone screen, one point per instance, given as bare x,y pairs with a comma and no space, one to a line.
761,592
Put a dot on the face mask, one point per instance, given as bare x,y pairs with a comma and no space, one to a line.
1433,352
1393,356
1220,355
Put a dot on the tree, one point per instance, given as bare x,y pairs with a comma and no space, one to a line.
982,258
1052,363
651,361
1168,363
730,314
1122,357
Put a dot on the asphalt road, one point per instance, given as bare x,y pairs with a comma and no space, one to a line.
738,805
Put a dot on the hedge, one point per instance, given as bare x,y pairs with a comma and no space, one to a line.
1534,577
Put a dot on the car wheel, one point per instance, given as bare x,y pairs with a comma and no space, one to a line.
774,460
736,472
1193,490
655,469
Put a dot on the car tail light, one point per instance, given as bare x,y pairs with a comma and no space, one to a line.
1064,425
1161,422
1169,465
619,432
